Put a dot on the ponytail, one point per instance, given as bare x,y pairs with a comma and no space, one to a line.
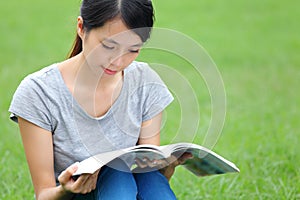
76,48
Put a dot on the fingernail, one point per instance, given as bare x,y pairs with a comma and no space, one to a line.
75,165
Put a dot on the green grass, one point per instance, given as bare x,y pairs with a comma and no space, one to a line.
256,47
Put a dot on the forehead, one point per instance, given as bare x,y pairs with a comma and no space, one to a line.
116,30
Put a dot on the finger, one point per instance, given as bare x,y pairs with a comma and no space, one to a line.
172,160
184,157
94,179
146,160
140,163
94,185
153,163
162,163
91,181
66,175
150,163
90,184
83,184
81,180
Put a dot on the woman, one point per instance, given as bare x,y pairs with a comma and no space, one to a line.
98,100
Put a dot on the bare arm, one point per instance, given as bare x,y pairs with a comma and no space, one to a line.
150,131
38,146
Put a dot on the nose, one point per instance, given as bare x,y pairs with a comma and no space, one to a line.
118,60
118,57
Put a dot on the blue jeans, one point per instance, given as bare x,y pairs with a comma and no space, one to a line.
114,184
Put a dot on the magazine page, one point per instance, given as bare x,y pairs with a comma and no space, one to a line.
204,162
92,164
208,165
128,155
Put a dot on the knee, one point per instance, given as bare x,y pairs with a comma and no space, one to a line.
114,184
153,185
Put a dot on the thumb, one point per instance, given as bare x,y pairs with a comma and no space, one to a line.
184,157
66,175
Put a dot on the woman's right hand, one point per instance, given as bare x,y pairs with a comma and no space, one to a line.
84,184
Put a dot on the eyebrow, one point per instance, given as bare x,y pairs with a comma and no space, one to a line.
114,42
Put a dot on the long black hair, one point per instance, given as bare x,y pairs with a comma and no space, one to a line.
138,15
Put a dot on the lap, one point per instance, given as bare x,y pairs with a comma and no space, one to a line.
112,184
123,185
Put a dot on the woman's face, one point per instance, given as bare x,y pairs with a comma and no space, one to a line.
109,49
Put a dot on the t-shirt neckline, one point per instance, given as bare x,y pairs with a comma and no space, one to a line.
78,106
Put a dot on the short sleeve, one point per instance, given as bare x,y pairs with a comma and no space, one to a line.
158,96
30,103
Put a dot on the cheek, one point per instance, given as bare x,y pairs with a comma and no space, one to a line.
131,57
96,57
126,60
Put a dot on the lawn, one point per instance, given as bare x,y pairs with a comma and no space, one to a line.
254,44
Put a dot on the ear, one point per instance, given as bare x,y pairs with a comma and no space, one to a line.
80,28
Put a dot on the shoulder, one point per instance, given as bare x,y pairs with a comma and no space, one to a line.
31,99
147,88
42,79
43,74
38,85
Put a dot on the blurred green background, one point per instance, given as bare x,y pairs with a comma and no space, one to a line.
255,45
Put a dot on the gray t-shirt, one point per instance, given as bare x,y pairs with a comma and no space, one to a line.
43,99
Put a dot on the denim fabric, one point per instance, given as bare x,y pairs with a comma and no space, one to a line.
114,184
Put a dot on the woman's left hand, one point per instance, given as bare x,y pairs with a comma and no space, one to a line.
165,166
169,169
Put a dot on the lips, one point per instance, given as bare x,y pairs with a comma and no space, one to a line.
109,71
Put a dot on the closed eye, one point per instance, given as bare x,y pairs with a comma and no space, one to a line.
134,51
107,47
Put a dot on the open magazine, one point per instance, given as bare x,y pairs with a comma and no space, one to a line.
204,161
